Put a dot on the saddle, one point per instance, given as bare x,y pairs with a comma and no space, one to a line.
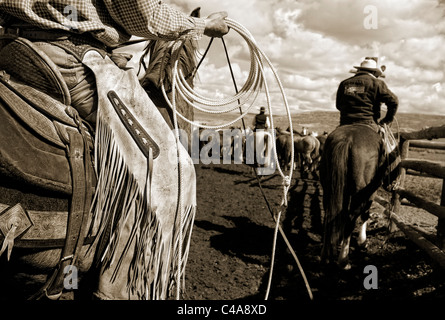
48,148
36,125
144,200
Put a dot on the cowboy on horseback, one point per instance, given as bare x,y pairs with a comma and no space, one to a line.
359,98
261,120
352,167
57,64
261,124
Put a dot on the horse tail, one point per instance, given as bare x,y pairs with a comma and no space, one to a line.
288,156
284,150
316,155
334,172
317,149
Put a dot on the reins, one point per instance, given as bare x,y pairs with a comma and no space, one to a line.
247,95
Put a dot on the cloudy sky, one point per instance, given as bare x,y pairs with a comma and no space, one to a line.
314,44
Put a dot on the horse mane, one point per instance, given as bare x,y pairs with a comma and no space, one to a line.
160,67
162,56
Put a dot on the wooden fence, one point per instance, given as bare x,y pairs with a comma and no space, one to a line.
420,167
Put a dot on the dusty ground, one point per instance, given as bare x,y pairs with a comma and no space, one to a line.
231,249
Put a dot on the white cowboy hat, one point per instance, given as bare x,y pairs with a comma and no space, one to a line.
370,64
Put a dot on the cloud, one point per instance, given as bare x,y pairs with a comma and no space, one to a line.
314,44
394,20
424,53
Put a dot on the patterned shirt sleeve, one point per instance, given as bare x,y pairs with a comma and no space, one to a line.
110,21
152,18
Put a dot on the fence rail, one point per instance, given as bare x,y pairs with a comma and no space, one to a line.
417,167
427,144
433,168
430,248
431,207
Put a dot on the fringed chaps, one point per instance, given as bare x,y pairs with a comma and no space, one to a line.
140,205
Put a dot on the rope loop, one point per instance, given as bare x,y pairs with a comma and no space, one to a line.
246,96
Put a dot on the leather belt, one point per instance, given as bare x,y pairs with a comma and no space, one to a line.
53,36
37,34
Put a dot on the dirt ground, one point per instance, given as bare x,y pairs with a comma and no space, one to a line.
232,242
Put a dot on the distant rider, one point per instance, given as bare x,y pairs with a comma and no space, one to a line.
261,120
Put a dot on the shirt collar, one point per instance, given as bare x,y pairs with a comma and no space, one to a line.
366,72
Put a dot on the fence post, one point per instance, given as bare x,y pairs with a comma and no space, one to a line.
441,222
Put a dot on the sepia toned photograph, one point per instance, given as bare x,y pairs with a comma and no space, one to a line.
228,158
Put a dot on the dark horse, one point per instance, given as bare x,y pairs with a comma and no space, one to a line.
33,261
351,171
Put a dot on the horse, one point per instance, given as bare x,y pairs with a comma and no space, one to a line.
295,132
307,152
351,171
45,204
233,145
284,148
322,140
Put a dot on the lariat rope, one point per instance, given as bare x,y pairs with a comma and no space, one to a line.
247,95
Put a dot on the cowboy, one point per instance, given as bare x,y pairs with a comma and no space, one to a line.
359,98
261,120
261,124
61,33
61,29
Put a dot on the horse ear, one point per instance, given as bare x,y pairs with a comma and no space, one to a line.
196,13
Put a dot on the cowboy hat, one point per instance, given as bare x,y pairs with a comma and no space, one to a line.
263,109
370,64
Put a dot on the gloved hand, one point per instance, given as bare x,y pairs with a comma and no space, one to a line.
121,59
215,25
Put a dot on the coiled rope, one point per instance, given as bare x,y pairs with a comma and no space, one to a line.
246,96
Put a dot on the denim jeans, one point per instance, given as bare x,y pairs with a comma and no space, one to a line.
79,79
